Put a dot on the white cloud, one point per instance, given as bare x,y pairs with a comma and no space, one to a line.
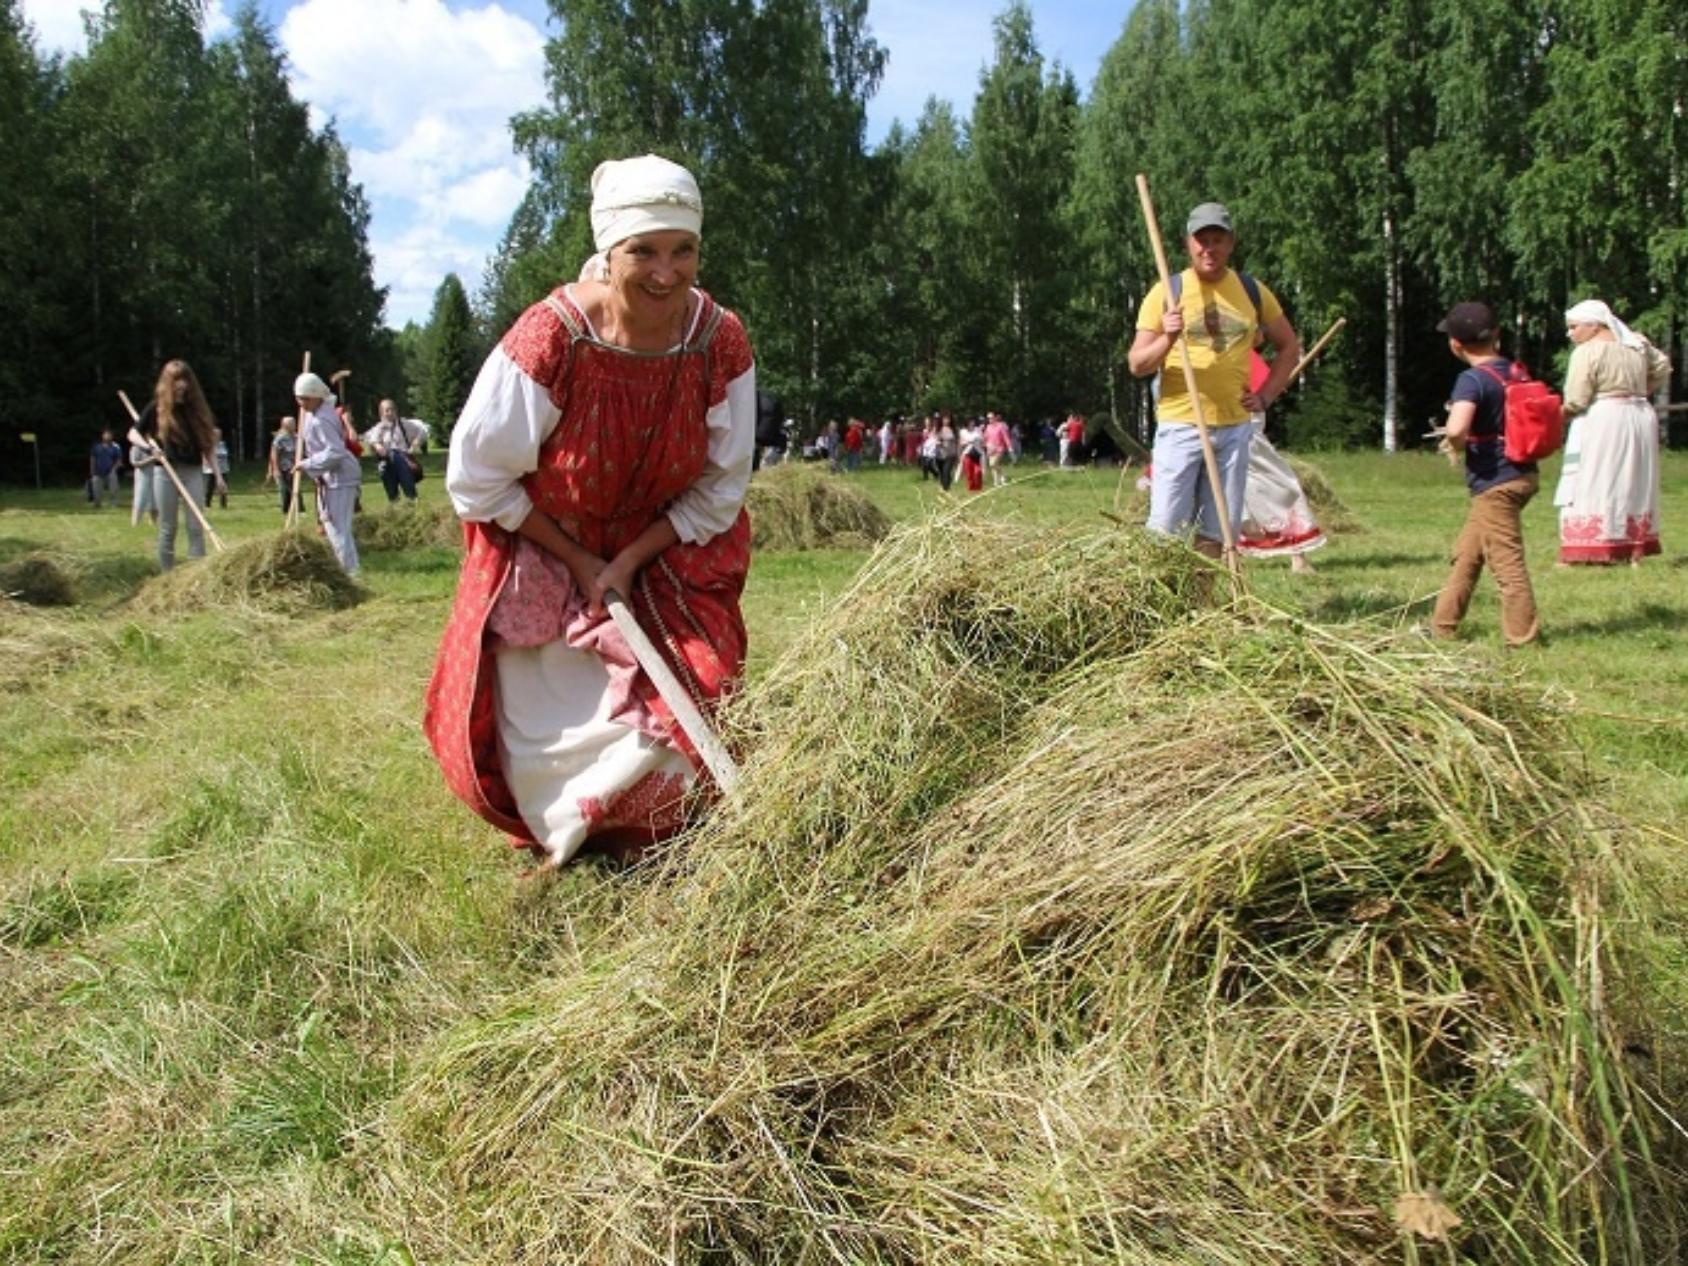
414,261
59,23
423,96
218,23
489,197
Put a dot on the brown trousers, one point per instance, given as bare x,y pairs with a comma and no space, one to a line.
1493,534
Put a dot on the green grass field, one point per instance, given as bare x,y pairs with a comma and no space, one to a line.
236,900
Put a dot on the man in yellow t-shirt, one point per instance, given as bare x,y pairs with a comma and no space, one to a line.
1224,321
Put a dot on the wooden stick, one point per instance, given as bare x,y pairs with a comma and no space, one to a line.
1318,347
1190,381
715,756
193,506
1119,488
298,454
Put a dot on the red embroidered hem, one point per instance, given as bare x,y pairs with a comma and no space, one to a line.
1609,551
1281,543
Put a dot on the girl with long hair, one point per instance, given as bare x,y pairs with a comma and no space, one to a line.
178,423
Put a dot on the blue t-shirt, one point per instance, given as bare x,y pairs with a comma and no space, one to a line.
107,457
1485,448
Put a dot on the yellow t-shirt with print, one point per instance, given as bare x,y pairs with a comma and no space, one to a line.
1219,325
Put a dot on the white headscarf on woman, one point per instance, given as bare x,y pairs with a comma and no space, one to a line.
1594,312
639,195
308,386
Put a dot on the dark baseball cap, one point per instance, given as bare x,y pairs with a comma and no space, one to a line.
1468,322
1210,215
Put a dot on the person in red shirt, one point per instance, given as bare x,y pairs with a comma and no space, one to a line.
1072,439
855,434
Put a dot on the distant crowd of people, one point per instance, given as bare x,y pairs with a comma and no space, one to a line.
935,445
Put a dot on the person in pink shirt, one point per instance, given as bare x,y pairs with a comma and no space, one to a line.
998,444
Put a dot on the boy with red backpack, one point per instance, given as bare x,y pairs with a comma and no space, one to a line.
1490,395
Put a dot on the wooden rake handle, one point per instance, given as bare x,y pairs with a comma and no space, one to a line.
298,452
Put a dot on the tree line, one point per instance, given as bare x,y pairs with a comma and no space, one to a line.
161,197
1381,162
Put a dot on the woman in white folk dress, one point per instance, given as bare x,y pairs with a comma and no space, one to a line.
1608,494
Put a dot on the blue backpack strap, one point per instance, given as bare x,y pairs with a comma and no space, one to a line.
1252,288
1511,376
1175,286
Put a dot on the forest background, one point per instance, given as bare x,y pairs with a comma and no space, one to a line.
161,196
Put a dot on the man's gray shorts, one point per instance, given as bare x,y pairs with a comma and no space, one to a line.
1179,493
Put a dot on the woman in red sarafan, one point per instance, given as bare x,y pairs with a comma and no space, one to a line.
606,446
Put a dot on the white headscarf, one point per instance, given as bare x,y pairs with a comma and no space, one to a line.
307,385
642,195
1594,312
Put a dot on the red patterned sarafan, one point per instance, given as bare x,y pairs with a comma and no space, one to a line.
632,437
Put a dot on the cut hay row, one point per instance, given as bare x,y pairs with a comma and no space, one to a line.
282,572
408,525
794,508
38,579
1060,918
34,643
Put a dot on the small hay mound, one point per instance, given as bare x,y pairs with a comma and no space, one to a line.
794,508
1060,918
284,572
1331,511
35,643
39,580
408,525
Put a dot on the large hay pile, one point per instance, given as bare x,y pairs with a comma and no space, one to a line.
408,525
1062,919
285,572
38,579
794,508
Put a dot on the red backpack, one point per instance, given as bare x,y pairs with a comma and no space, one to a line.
1534,418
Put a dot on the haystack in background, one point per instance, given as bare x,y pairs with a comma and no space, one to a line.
284,572
1060,918
38,579
794,508
408,525
1331,511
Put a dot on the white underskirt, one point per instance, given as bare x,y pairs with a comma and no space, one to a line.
559,748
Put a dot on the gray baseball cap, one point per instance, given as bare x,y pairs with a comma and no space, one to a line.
1210,215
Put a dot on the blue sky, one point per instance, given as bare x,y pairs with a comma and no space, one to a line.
422,90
